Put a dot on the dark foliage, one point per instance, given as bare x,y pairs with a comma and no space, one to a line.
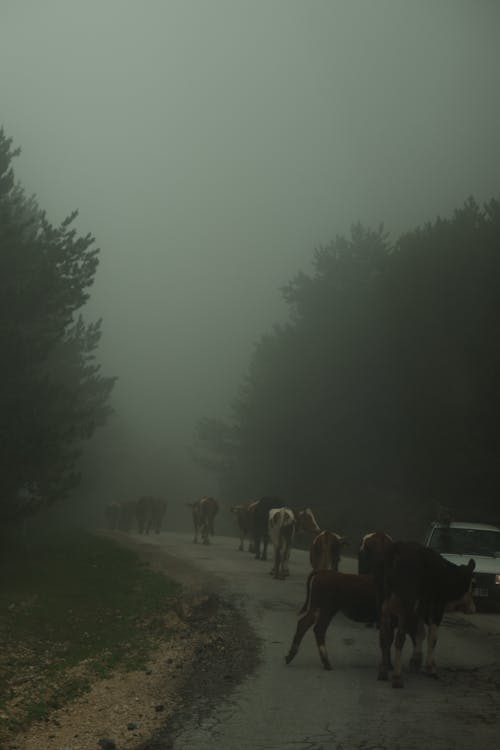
52,395
384,383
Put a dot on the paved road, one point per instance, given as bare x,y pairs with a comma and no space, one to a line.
303,707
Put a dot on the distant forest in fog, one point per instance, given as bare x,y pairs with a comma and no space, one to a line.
379,399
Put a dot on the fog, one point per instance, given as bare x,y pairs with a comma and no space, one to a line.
210,147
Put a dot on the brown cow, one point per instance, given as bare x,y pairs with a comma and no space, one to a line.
112,515
420,586
372,551
372,555
204,511
244,519
325,550
149,513
329,592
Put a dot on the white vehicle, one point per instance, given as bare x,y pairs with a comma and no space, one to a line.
458,541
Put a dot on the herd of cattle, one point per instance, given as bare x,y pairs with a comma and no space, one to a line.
146,514
404,588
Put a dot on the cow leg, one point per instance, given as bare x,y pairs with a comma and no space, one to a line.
322,623
276,569
386,637
397,681
256,547
418,640
430,664
276,562
286,558
304,622
265,542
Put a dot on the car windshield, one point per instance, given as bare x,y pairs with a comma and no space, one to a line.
466,541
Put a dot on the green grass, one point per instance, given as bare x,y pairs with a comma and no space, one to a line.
72,601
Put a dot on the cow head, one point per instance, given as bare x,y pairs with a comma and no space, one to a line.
465,603
305,520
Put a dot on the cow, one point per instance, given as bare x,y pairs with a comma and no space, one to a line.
372,551
112,515
329,592
283,523
281,531
127,515
149,514
204,511
420,586
372,554
120,515
324,553
260,523
244,519
305,520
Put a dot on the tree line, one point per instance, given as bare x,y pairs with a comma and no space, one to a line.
381,391
53,395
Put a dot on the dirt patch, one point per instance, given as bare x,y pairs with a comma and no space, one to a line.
212,649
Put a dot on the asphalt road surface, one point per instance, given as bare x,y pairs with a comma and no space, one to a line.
303,707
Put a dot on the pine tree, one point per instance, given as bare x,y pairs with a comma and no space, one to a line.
52,393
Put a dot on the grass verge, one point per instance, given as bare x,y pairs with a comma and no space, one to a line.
73,607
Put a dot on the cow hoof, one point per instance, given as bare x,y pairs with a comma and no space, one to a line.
327,666
415,663
383,675
397,682
289,657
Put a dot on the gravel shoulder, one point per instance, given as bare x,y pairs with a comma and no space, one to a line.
213,648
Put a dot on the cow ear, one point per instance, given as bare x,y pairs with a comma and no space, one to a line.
472,564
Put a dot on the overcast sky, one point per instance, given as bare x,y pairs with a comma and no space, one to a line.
211,145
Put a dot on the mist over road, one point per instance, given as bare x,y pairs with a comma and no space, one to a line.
303,707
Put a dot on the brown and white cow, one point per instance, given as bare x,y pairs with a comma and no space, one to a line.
283,523
305,520
325,550
329,592
260,523
244,520
204,511
420,587
281,532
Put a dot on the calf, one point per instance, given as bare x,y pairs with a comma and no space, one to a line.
325,551
204,511
420,586
329,592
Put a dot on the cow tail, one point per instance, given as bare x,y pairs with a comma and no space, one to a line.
307,603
